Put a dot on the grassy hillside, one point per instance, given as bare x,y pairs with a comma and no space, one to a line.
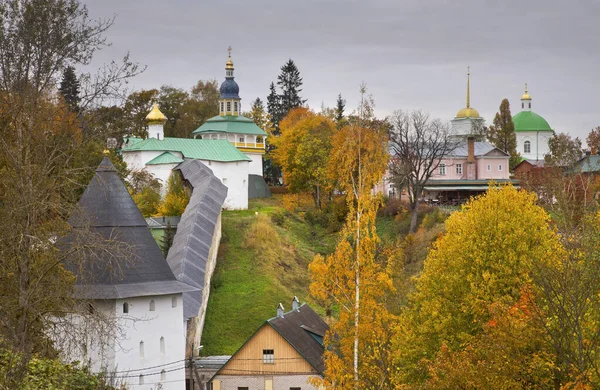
264,256
263,260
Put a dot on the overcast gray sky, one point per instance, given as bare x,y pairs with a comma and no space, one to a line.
411,53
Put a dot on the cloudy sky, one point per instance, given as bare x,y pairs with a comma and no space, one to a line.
413,54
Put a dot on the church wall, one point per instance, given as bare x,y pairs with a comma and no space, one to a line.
235,176
256,165
539,144
162,173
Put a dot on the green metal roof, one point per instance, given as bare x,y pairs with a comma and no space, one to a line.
588,164
530,121
230,124
203,149
165,158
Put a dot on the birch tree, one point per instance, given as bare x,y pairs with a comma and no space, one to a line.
351,279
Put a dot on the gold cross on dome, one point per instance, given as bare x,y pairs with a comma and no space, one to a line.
229,50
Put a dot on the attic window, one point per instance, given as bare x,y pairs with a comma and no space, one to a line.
268,356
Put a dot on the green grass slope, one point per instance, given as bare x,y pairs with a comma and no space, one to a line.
263,260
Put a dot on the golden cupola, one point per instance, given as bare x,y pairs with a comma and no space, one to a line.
155,116
468,111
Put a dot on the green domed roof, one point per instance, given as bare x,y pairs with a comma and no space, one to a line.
530,121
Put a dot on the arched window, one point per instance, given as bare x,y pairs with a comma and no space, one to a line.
152,305
163,375
162,345
141,380
228,106
125,307
174,302
527,147
141,349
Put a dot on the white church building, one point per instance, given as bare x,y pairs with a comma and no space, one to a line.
231,145
532,130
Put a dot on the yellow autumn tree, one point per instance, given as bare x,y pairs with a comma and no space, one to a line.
351,280
176,198
477,270
302,151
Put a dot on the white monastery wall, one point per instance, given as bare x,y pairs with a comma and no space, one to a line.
235,176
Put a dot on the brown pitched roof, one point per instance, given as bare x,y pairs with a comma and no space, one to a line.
304,330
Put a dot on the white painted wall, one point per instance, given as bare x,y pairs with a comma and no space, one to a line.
256,165
143,325
235,176
539,144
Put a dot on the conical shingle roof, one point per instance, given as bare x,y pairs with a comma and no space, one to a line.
124,260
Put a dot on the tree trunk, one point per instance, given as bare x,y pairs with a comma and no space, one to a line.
414,212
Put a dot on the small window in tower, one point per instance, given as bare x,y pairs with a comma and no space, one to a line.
162,345
522,105
235,106
459,169
125,307
529,104
442,169
152,307
141,349
268,356
141,379
222,108
163,375
527,147
228,106
242,139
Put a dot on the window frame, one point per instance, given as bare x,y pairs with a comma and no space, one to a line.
527,147
489,167
268,356
459,168
499,167
442,168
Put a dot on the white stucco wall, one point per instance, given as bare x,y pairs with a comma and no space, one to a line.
539,144
143,325
235,176
256,165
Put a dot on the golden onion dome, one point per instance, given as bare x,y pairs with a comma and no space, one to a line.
468,112
229,64
155,116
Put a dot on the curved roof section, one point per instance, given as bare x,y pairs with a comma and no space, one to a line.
530,121
155,115
230,124
468,112
229,89
202,149
188,256
165,158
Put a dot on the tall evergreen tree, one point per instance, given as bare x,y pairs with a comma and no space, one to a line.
502,133
339,109
274,108
290,83
69,89
258,115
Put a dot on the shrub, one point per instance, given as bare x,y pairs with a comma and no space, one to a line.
394,207
279,216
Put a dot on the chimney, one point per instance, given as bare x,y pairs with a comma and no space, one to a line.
471,166
471,149
280,310
295,303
